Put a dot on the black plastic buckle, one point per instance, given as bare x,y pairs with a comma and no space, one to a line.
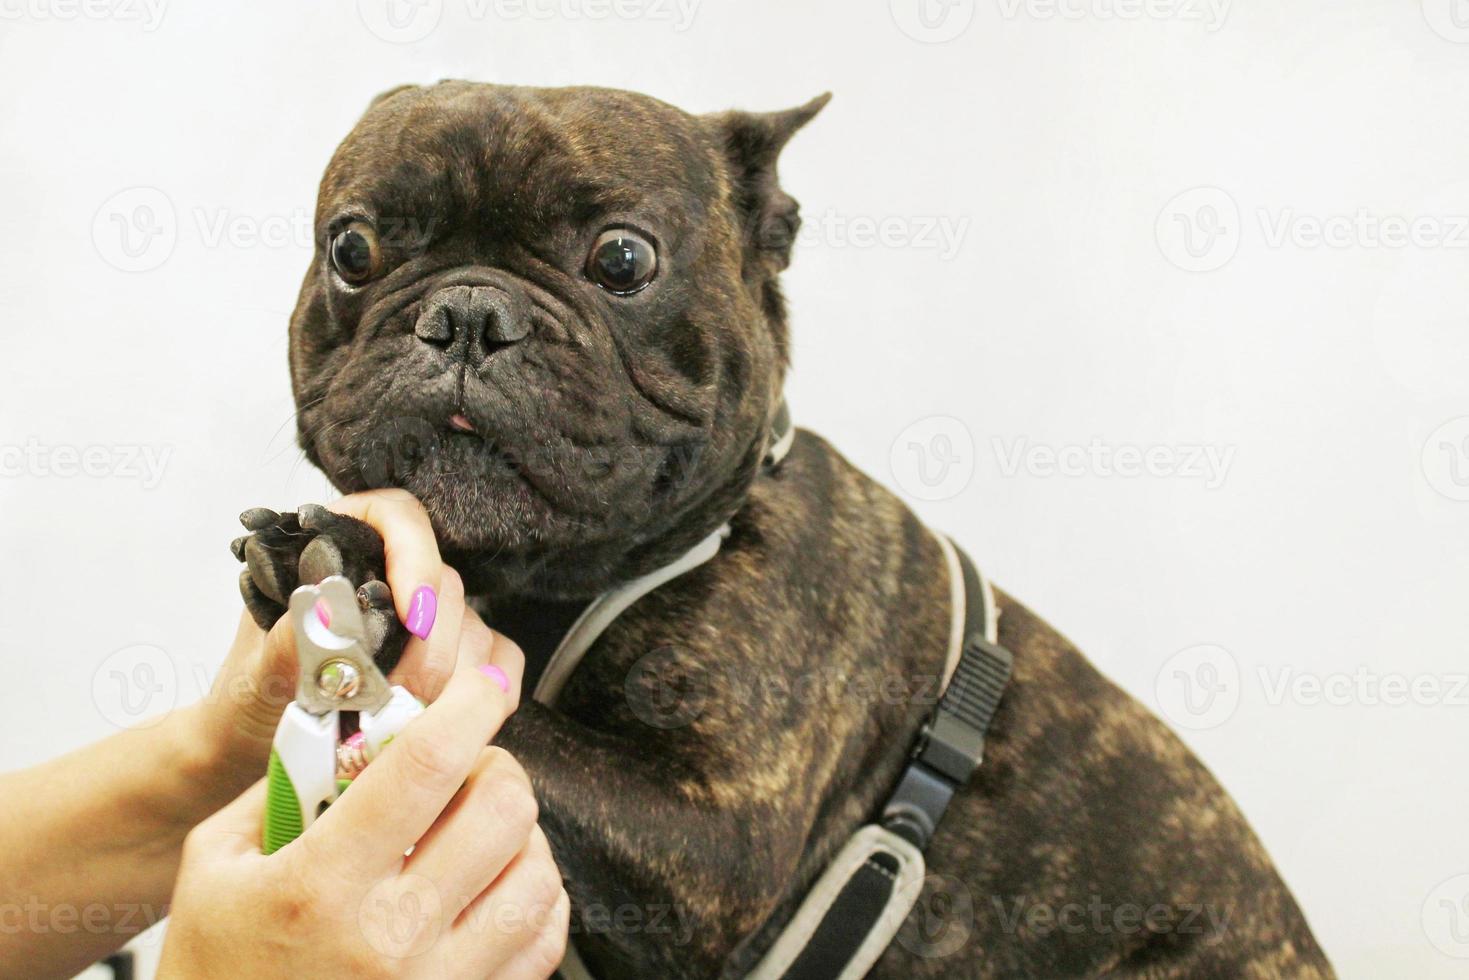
951,745
914,809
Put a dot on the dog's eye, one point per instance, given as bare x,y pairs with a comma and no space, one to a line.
355,252
622,261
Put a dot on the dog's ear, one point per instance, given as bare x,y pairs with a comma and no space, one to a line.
752,142
382,97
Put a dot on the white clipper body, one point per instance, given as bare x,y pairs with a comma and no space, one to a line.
337,673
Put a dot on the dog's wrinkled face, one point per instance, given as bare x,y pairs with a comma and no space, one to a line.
552,316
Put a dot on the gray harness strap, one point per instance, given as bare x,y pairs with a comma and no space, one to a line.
851,914
593,622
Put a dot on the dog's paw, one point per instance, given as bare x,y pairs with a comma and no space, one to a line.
283,551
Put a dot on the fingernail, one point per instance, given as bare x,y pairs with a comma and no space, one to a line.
497,675
421,612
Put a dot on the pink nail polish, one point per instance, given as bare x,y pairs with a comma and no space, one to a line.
497,675
422,609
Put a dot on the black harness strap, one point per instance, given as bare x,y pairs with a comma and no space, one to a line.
851,917
948,750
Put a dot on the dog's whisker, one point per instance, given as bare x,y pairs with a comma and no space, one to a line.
289,419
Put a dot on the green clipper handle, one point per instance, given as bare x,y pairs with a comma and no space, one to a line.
302,775
302,778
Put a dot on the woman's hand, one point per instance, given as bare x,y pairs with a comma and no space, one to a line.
231,729
479,894
102,828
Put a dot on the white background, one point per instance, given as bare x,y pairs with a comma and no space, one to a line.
1078,301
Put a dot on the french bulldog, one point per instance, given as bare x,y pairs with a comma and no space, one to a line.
554,316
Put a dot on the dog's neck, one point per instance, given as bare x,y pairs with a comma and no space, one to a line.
540,625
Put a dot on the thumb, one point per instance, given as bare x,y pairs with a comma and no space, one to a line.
235,827
274,668
260,679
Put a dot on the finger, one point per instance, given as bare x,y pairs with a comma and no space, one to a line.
235,827
275,670
505,654
399,796
522,917
425,670
546,951
266,679
483,828
247,631
412,552
427,665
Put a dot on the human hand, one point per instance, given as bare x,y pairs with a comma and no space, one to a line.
230,731
479,895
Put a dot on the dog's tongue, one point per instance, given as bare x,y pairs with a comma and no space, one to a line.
460,422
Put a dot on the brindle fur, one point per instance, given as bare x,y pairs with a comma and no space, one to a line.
727,734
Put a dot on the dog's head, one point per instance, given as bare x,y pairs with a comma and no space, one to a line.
553,316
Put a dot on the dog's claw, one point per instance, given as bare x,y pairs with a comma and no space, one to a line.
313,517
375,595
259,517
261,608
384,633
272,568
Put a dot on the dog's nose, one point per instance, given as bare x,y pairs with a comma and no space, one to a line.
486,317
